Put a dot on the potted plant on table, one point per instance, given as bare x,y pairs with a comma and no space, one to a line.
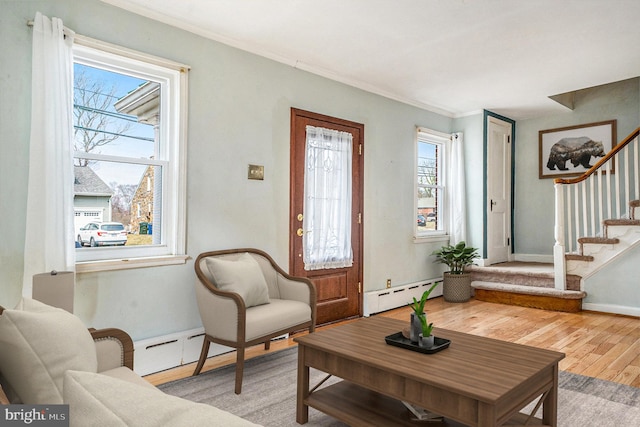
418,313
456,283
426,339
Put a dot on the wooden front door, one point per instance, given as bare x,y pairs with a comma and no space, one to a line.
339,289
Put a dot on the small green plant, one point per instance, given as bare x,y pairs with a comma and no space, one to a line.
456,257
426,328
418,306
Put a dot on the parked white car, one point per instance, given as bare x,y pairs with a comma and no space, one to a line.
102,234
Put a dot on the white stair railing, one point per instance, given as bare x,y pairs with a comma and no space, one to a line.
602,192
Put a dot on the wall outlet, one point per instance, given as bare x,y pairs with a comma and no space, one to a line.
388,283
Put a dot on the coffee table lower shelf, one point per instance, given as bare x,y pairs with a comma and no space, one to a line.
360,407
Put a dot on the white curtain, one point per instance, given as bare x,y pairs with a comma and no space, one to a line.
456,190
49,241
326,220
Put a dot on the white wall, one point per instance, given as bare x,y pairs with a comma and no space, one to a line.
239,112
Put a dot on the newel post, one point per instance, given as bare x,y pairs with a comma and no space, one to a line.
559,265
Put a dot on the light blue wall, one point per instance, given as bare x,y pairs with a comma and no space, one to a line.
239,112
534,198
616,283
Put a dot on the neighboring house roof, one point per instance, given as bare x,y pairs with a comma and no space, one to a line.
87,183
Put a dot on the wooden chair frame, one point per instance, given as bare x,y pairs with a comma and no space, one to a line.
119,335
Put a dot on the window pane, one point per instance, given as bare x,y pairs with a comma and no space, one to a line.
428,163
430,185
428,210
129,132
118,192
114,113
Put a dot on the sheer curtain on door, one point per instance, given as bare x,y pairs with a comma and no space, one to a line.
326,220
49,241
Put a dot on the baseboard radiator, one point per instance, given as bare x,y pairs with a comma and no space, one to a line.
398,296
168,351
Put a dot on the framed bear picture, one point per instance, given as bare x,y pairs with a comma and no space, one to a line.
572,150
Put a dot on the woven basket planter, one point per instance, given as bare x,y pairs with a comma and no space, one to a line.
457,287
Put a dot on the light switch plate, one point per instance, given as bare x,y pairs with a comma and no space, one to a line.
256,172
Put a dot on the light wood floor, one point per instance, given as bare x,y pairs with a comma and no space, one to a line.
598,345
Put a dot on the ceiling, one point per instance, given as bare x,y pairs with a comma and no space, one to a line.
454,57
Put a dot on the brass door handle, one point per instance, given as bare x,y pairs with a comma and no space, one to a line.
299,232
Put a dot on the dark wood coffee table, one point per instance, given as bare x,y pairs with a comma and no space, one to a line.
477,381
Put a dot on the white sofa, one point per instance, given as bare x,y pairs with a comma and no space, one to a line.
47,356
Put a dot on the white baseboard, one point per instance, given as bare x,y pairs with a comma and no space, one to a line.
398,296
610,308
548,259
168,351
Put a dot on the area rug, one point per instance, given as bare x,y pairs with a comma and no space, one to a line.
269,395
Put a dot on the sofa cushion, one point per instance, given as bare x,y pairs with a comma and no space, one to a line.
241,275
99,400
39,343
126,374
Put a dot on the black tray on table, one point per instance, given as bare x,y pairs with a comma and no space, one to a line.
399,340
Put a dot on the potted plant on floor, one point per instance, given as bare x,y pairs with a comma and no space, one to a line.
418,314
456,283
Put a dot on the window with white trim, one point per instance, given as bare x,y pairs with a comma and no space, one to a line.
130,142
430,183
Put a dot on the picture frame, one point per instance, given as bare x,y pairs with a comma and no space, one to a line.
572,150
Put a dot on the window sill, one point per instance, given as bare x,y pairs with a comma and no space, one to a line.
431,239
125,264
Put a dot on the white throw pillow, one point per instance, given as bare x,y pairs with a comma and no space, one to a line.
242,276
98,400
38,344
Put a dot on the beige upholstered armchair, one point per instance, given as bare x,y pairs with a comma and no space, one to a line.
245,298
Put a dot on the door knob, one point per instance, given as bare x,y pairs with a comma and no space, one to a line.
300,216
299,232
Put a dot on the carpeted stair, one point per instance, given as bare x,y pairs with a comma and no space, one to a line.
532,284
527,284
